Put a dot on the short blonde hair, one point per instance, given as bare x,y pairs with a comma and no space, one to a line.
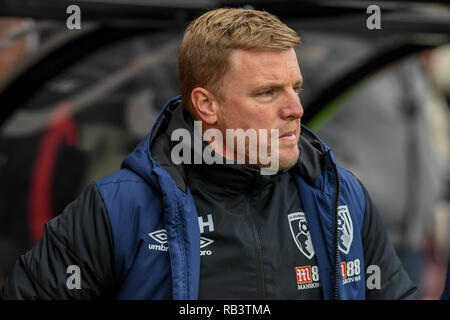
210,39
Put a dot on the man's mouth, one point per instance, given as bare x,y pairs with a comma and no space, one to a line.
290,135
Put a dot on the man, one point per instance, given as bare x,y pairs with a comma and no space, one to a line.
188,220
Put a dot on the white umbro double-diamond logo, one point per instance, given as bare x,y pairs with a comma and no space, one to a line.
160,237
205,242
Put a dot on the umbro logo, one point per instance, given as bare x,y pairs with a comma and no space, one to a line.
160,240
159,236
205,224
204,242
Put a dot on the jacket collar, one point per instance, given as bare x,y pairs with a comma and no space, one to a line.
155,150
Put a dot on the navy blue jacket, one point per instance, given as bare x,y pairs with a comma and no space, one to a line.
106,232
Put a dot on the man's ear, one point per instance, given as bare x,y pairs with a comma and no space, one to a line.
205,105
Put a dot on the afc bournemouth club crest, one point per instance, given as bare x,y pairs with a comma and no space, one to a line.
300,233
345,229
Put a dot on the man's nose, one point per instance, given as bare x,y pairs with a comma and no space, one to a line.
292,108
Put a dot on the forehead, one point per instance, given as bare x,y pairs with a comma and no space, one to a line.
265,65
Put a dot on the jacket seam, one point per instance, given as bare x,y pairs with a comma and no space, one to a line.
106,216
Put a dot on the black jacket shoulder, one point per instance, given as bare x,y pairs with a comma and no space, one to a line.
386,279
74,258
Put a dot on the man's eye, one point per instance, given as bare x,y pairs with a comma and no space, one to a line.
267,93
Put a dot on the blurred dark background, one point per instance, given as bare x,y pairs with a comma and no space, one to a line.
74,103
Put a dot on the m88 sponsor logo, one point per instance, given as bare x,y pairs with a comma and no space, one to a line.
351,271
307,277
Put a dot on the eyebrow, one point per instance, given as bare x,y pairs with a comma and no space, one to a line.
276,85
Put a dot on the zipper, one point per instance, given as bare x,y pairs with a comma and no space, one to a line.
337,195
260,286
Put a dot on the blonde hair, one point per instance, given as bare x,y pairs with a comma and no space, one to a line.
211,38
